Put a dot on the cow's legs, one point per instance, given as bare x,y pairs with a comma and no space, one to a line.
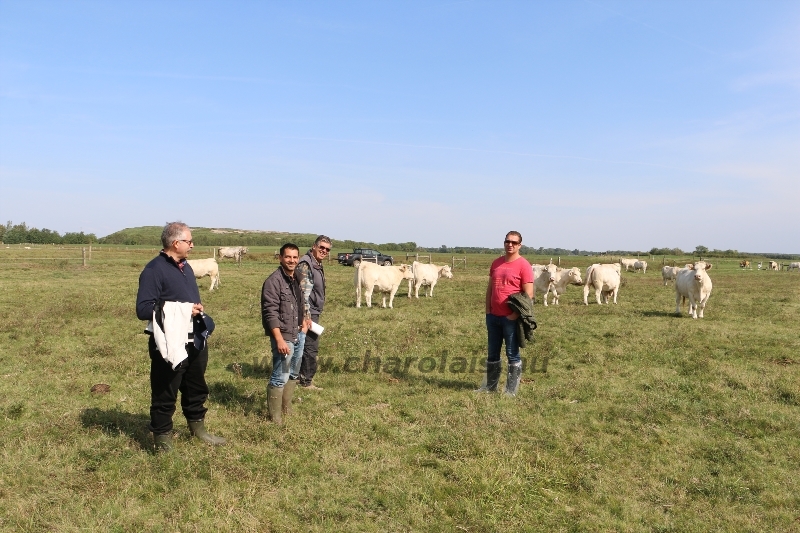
585,295
391,296
368,296
614,293
431,292
416,288
597,293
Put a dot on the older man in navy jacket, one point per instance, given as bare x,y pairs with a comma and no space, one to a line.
169,278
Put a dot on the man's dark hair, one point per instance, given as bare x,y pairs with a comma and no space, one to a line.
289,246
518,234
172,232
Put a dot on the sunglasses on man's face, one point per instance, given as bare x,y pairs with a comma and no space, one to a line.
323,249
512,243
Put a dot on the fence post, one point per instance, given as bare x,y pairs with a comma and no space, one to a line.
559,260
83,254
90,251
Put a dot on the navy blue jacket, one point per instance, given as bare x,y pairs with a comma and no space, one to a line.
162,280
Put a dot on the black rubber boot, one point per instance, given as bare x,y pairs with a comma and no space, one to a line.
198,429
163,443
512,382
491,379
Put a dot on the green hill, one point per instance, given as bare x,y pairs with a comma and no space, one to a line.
151,236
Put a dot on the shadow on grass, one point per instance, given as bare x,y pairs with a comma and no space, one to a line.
468,382
251,370
229,395
113,422
659,313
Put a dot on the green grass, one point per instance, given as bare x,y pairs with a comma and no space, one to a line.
643,421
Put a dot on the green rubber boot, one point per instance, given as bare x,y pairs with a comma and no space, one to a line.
198,429
288,392
275,403
163,443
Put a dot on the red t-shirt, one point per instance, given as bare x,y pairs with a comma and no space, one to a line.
507,279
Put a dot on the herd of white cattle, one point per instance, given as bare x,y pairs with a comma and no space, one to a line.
387,279
691,282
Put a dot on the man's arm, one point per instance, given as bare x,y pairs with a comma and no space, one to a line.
306,279
270,307
148,294
527,288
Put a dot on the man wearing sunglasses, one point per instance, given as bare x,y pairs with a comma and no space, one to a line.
312,283
508,275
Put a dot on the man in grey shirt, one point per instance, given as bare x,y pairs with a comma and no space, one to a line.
312,283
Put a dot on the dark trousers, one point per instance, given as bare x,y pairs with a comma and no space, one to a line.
308,368
189,378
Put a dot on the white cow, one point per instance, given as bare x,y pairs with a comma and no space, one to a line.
386,279
669,273
206,267
794,266
693,283
562,278
640,265
542,278
234,252
605,279
428,275
627,264
773,265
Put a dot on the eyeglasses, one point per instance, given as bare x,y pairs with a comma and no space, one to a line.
190,242
512,243
323,249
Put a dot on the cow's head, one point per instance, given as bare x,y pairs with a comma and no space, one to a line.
446,272
699,269
575,276
406,270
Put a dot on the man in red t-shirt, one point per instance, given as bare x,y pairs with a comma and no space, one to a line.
508,275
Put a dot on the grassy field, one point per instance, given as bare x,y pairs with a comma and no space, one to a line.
628,419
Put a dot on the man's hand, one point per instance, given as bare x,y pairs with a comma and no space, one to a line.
513,316
282,346
197,309
306,325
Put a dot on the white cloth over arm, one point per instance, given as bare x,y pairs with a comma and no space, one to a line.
172,340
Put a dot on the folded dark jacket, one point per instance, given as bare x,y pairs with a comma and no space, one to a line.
522,304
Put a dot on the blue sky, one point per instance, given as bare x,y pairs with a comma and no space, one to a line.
586,124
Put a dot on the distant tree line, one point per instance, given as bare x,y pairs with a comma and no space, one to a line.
20,233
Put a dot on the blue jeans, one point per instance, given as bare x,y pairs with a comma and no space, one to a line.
285,367
500,329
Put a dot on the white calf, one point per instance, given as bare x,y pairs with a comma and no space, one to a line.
669,273
627,264
605,279
428,275
386,279
794,266
542,278
206,267
234,252
563,278
640,265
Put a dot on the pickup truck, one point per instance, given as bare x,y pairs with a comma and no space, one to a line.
354,258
